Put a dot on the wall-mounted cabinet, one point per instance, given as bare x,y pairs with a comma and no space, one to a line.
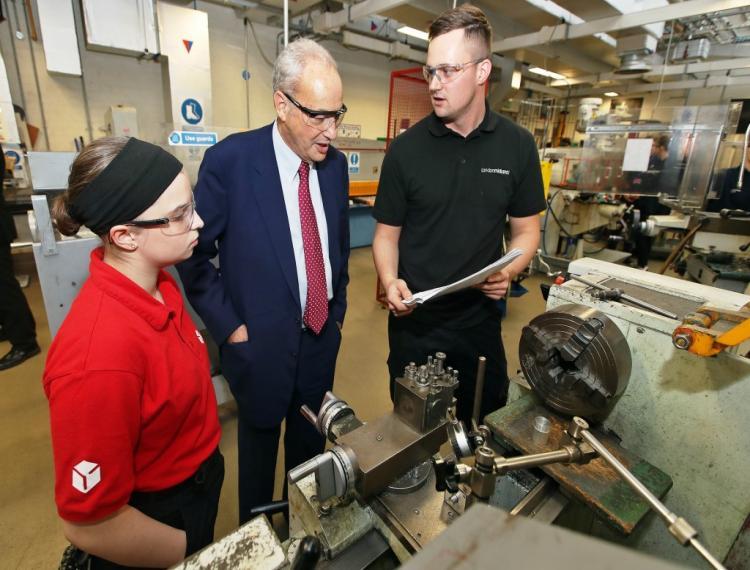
121,26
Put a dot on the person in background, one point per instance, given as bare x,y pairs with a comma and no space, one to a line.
133,415
446,188
732,197
276,205
16,321
648,204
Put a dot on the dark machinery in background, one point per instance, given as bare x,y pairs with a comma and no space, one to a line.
616,194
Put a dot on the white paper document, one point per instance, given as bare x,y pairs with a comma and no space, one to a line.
637,154
466,282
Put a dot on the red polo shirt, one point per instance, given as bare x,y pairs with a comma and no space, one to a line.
131,402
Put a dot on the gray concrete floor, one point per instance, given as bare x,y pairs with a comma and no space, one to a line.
30,531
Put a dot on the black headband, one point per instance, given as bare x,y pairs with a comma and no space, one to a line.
133,181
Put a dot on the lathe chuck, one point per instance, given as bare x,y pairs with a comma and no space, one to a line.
576,359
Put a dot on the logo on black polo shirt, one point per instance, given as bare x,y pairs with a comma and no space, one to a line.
86,476
495,171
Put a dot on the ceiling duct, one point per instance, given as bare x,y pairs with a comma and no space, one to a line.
691,51
635,53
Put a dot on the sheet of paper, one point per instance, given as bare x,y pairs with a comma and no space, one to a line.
637,153
466,282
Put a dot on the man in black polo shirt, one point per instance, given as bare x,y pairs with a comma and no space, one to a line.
446,187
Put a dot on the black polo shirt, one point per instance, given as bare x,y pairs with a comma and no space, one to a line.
451,195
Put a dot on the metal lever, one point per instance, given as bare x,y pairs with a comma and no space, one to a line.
308,467
683,532
309,415
270,509
479,392
741,177
332,411
627,298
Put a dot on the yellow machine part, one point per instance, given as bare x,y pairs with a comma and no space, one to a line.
703,339
736,335
546,176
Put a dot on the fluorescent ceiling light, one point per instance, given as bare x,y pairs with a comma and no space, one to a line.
566,15
413,32
546,73
611,94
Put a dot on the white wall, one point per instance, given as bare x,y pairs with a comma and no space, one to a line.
110,79
115,79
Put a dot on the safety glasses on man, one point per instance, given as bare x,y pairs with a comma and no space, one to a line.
319,119
447,72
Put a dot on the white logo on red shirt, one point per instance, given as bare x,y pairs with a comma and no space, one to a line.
200,337
86,476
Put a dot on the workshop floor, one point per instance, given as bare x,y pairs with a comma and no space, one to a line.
30,531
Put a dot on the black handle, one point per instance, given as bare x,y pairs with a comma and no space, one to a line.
270,509
308,554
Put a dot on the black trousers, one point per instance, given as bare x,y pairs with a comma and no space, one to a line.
412,341
642,249
190,506
648,206
15,316
257,470
258,447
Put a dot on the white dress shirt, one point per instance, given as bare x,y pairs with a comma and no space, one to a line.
288,164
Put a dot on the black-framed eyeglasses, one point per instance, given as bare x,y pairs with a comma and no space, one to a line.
447,72
179,223
319,119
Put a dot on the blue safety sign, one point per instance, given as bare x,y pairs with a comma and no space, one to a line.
192,112
190,138
353,159
14,155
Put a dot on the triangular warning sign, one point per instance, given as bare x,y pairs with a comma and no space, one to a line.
188,45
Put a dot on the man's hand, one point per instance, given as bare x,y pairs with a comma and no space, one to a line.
496,285
396,291
239,335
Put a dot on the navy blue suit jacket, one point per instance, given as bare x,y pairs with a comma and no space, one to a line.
240,199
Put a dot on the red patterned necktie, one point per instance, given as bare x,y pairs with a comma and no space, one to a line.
316,307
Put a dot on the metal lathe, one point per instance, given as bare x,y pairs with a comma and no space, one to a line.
619,448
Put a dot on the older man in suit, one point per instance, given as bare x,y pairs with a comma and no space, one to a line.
275,205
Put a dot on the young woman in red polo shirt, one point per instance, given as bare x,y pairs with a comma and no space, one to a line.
134,423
